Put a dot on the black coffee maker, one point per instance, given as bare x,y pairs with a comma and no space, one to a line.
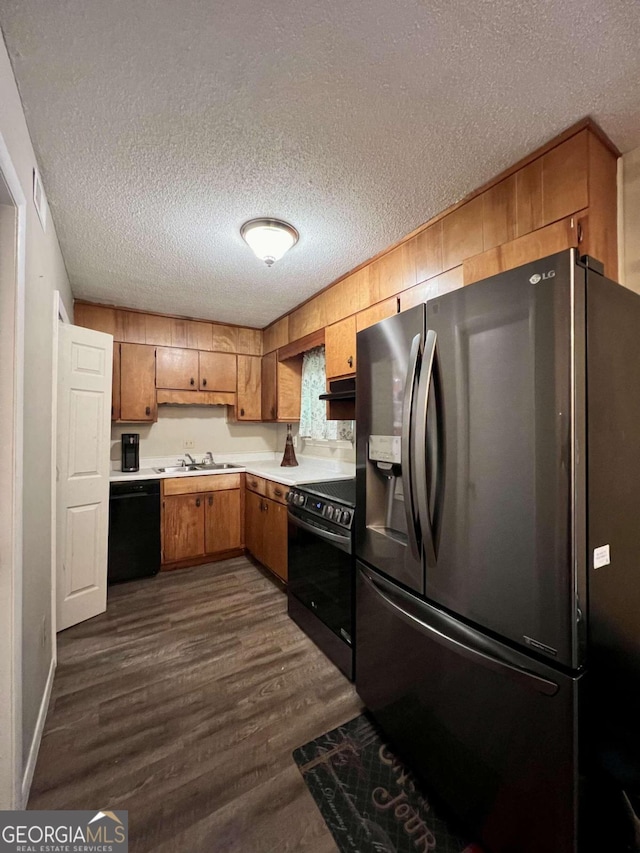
131,451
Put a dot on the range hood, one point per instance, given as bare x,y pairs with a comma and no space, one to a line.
340,389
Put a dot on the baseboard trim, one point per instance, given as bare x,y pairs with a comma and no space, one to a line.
29,770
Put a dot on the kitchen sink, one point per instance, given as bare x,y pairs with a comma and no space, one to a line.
218,466
204,466
177,469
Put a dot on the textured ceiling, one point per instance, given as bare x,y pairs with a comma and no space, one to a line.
161,126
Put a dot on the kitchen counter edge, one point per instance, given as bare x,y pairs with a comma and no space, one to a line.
267,473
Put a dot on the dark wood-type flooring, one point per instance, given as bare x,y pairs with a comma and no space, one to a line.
182,703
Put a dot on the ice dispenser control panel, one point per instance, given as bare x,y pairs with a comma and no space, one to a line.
385,448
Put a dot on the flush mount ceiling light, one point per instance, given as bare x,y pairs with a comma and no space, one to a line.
269,238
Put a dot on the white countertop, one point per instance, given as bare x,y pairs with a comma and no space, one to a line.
310,469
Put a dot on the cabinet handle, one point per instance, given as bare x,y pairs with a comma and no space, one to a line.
192,381
241,412
266,507
197,501
210,500
148,410
278,492
580,234
350,361
204,383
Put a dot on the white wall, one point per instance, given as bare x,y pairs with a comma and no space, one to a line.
45,272
630,232
206,427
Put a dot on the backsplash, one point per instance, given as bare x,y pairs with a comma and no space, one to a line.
208,429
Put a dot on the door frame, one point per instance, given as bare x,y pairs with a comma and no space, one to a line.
11,535
59,316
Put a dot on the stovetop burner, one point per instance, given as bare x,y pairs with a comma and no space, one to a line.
337,490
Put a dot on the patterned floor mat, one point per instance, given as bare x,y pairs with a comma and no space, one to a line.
368,798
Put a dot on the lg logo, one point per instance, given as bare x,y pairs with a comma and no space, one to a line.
545,275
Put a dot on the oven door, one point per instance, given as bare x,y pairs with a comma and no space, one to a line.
321,573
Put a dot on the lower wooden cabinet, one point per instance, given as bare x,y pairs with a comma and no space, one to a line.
201,518
182,527
222,521
266,530
274,542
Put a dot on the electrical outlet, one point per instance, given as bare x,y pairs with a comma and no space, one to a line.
188,444
295,441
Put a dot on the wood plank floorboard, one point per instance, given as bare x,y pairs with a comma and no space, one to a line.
183,703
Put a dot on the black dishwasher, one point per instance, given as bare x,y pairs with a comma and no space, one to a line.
134,530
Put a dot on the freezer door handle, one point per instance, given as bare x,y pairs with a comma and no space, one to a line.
408,473
454,635
420,453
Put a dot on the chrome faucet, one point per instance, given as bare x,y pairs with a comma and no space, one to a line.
208,458
190,458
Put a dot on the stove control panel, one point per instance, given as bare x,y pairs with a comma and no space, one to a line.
333,512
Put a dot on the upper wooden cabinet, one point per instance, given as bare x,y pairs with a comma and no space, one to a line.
553,238
100,318
250,341
249,402
276,335
340,348
136,327
562,195
269,390
281,388
138,383
218,371
199,335
177,368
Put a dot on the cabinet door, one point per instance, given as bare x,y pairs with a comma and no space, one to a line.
176,368
218,371
222,520
138,383
340,347
115,384
289,389
254,523
269,387
275,538
531,247
249,404
182,527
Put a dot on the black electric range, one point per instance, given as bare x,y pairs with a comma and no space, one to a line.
321,569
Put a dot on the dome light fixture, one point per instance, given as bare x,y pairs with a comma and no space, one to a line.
269,239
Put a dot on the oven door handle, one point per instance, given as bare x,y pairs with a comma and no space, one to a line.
342,542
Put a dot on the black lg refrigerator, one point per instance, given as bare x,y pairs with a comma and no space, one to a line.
498,552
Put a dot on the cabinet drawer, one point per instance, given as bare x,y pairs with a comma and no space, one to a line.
256,484
276,491
206,483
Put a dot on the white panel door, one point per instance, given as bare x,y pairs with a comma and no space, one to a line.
84,432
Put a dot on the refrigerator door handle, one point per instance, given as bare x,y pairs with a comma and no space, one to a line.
420,453
408,474
448,632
